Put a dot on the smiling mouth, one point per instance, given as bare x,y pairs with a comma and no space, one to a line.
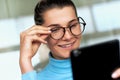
68,45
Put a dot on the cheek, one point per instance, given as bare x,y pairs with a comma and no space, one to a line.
78,41
51,43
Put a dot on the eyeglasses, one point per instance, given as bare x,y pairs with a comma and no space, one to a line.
76,27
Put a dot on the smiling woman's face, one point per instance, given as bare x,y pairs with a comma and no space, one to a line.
62,16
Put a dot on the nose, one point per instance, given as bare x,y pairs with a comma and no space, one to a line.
68,35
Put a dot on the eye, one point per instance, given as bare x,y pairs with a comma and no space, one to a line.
73,25
55,29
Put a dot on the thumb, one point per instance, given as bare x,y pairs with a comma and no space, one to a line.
116,74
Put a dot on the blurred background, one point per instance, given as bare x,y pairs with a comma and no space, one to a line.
102,18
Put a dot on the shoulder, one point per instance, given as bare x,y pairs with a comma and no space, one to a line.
32,75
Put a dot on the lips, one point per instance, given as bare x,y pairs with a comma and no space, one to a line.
67,45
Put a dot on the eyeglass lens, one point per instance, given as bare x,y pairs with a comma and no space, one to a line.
76,28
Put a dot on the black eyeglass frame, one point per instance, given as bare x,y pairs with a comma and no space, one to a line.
64,28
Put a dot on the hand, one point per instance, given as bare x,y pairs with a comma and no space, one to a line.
116,74
30,40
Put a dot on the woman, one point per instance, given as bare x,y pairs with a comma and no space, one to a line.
59,27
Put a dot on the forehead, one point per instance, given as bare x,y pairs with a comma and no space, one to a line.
59,15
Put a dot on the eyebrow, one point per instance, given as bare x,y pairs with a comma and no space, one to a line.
59,24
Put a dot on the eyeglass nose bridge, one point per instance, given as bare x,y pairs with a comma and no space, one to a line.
67,29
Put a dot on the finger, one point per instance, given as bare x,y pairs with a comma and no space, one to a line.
116,74
38,30
33,36
36,38
37,27
33,32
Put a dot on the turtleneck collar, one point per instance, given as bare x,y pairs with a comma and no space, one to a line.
59,66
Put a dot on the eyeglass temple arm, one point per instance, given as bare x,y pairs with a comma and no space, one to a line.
84,23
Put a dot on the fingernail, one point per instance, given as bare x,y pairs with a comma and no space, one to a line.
114,75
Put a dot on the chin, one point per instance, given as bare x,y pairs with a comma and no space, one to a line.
66,55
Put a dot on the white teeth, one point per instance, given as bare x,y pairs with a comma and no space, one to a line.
65,46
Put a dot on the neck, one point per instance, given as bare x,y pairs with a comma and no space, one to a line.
59,66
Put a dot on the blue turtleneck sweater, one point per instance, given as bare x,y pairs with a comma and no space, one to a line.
55,70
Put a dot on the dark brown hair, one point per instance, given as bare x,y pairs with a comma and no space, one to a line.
45,5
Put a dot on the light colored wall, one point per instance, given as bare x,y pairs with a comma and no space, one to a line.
15,8
3,9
